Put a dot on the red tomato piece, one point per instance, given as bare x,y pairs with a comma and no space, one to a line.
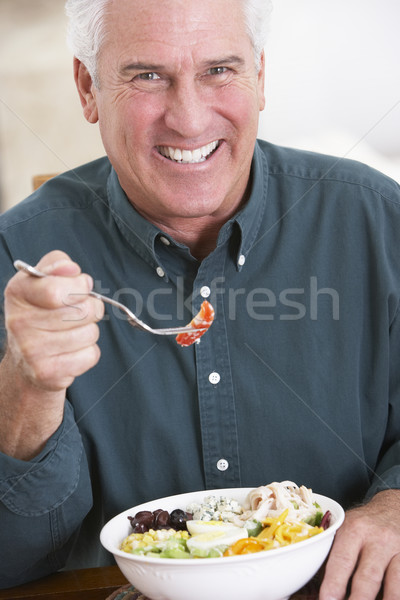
202,321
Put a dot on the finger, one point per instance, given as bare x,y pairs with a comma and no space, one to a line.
78,307
77,310
392,579
25,325
340,565
367,579
50,292
59,372
44,347
58,263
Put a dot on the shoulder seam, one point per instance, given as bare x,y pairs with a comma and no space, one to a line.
338,180
42,211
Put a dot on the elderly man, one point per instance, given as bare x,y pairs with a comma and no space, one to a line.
298,378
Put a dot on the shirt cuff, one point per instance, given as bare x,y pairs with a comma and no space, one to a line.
389,480
34,488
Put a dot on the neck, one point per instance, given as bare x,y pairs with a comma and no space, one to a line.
199,235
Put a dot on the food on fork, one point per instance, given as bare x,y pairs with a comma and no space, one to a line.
201,322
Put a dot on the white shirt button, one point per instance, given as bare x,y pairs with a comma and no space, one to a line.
241,260
205,291
222,464
160,272
214,378
165,240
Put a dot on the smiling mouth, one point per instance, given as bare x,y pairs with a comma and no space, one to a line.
189,157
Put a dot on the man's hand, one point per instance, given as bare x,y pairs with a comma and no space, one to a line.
366,549
51,323
52,336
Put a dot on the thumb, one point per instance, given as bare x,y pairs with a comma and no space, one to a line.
58,263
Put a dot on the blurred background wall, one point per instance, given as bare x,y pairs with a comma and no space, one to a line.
332,85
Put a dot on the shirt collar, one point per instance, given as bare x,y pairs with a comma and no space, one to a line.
140,233
249,218
143,235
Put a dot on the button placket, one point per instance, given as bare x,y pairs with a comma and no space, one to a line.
215,387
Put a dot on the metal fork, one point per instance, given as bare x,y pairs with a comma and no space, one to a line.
133,320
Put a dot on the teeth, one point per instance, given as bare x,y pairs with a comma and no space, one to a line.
177,155
188,156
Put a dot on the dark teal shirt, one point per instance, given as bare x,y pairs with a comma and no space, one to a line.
298,378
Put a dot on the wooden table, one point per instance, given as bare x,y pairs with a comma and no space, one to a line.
91,584
82,584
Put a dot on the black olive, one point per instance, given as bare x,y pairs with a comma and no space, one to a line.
178,519
161,519
137,526
146,517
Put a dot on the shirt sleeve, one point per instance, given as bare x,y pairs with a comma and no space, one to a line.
387,472
42,504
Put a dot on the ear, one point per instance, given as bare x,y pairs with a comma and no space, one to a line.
85,88
261,82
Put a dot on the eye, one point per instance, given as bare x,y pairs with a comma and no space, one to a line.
218,70
148,76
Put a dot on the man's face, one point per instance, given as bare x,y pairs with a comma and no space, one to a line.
178,105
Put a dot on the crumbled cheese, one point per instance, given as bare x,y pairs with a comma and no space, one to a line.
215,508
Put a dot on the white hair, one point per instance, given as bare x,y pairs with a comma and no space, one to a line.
257,16
86,30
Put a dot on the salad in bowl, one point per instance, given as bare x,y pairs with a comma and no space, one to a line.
264,543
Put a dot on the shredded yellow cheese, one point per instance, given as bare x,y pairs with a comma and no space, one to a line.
286,531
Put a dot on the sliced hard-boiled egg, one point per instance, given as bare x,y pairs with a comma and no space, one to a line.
197,526
207,535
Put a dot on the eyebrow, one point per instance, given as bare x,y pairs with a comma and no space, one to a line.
232,59
140,67
147,67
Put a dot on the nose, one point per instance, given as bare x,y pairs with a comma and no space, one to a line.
188,110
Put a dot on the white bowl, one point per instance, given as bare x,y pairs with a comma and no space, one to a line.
269,575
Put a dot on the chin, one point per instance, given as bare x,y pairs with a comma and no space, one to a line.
193,208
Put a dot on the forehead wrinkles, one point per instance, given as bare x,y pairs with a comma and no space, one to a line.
172,33
182,50
172,22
